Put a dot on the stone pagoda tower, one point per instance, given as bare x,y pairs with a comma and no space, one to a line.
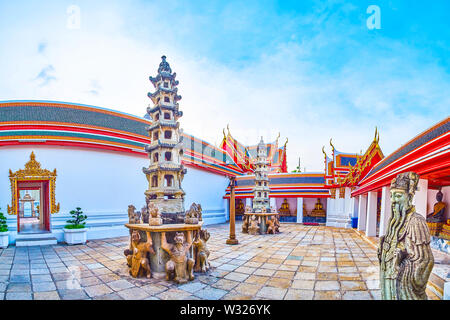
261,189
165,151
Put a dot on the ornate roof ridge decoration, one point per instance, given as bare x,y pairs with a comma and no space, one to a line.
33,172
365,162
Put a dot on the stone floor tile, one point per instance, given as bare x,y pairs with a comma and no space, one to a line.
357,295
98,290
296,294
271,293
255,279
303,284
19,287
134,293
110,296
284,274
49,295
264,272
326,285
210,293
225,284
72,294
249,289
236,276
118,285
18,296
44,286
173,294
353,285
327,295
327,276
279,283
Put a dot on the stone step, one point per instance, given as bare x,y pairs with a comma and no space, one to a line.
26,236
36,242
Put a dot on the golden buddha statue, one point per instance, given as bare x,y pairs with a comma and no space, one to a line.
284,210
318,209
436,219
240,207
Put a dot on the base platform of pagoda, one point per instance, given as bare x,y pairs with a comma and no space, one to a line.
261,217
159,259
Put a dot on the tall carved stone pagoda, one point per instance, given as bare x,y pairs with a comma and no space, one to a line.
165,151
261,189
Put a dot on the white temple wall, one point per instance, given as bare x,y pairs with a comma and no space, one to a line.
103,184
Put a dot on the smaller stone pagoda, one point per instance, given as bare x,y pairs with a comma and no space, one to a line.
261,218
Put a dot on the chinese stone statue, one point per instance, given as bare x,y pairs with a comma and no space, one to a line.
404,252
179,267
154,218
133,216
144,214
273,226
253,227
201,252
137,255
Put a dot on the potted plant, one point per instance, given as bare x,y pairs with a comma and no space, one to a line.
4,233
75,232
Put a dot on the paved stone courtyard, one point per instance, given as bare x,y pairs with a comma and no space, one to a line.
302,262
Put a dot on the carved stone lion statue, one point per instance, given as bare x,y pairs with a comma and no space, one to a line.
179,267
137,255
201,252
194,214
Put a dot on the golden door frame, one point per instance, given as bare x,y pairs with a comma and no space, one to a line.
32,172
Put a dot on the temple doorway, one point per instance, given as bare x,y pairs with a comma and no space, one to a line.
33,214
33,197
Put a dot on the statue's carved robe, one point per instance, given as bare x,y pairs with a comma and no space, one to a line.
404,276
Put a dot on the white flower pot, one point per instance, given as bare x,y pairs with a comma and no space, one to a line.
75,236
4,239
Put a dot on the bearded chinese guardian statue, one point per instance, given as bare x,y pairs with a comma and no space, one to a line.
179,267
404,252
201,252
137,255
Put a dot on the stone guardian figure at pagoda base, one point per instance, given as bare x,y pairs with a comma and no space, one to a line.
404,253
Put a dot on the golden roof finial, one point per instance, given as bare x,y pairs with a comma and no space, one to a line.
286,141
376,131
323,151
224,135
331,144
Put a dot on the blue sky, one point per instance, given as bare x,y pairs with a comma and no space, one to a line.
310,70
